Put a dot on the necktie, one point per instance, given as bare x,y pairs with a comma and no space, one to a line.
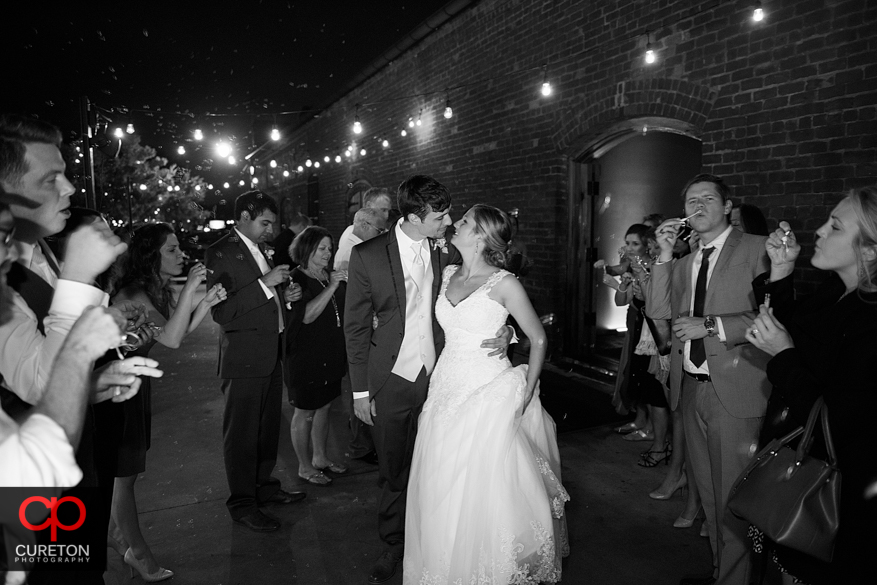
698,353
417,268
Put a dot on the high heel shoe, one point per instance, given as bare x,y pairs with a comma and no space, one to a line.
683,522
160,575
652,458
659,495
627,428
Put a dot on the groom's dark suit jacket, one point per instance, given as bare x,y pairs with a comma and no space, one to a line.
376,294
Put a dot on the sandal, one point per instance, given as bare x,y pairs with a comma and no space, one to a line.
650,460
627,428
317,478
334,468
640,435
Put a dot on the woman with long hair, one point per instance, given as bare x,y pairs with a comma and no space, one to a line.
144,275
826,345
485,500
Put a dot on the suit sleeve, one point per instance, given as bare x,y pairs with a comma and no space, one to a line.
657,291
358,312
735,325
243,297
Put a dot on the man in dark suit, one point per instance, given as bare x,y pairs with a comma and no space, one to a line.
393,341
716,375
253,320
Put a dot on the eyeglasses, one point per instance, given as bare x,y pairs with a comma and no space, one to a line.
7,236
380,230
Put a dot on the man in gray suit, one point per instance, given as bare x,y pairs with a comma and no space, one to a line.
719,376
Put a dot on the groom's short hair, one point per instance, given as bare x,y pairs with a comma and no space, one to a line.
420,194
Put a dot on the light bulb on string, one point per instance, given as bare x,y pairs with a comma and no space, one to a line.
410,123
285,173
385,143
255,180
309,163
143,187
223,149
326,158
252,170
118,133
241,183
420,115
546,87
273,164
357,127
232,160
225,185
404,132
758,12
198,134
130,129
300,168
181,149
317,165
337,158
275,134
362,152
650,54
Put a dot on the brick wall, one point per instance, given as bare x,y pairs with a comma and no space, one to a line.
785,109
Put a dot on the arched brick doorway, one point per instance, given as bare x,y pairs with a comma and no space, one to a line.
635,168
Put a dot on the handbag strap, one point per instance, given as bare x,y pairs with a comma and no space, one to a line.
819,410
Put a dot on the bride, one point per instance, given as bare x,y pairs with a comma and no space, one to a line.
485,502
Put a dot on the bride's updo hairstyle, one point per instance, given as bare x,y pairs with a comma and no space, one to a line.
495,228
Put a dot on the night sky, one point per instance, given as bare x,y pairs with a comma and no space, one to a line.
164,66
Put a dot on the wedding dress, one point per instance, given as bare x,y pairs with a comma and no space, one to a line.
485,501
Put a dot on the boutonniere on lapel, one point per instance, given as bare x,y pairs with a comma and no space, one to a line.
440,244
268,252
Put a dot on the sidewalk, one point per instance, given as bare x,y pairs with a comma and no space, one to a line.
618,535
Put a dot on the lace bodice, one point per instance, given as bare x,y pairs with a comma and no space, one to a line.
476,316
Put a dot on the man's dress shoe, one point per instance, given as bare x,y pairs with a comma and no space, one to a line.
698,580
384,568
258,522
284,497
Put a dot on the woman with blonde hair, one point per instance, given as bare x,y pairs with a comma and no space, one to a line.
826,345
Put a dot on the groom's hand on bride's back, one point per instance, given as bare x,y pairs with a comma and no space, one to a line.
501,342
364,409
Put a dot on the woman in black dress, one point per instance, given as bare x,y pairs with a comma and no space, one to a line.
144,276
826,345
317,354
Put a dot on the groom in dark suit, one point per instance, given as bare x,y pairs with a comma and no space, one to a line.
393,341
253,320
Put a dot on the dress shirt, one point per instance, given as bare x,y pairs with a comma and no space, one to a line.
262,262
717,243
345,245
39,259
36,454
26,355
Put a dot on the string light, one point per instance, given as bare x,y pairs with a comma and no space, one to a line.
357,127
546,87
385,143
758,12
130,129
143,187
317,165
285,173
404,132
223,149
448,111
255,180
273,164
419,122
198,134
241,183
181,149
252,170
225,185
309,163
337,158
232,160
300,168
326,158
410,123
118,133
275,134
362,152
650,53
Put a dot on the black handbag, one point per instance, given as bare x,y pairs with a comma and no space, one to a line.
794,499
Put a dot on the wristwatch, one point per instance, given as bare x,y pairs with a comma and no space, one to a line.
709,324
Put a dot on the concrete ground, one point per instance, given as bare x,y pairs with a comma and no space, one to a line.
618,534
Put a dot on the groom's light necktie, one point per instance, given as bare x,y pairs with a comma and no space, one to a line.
418,268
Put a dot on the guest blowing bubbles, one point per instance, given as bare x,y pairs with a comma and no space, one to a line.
317,354
154,257
826,345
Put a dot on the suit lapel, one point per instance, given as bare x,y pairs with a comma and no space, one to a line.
721,265
687,286
396,273
243,253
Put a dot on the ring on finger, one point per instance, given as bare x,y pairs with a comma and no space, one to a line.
754,331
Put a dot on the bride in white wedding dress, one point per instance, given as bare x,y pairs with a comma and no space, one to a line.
485,501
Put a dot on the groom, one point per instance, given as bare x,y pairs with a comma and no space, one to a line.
393,341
